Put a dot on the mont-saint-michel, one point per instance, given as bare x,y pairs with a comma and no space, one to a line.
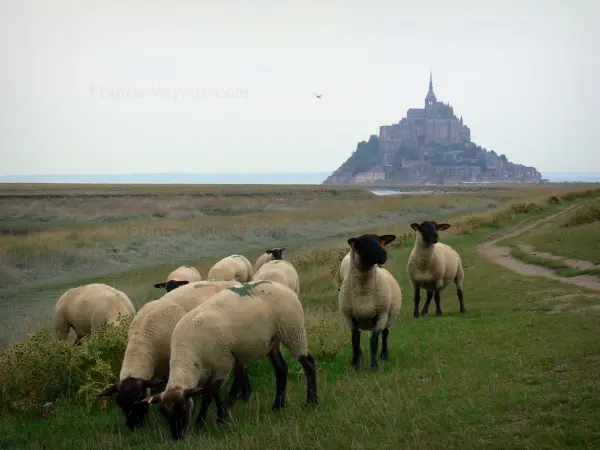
430,145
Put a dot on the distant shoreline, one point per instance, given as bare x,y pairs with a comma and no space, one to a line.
231,178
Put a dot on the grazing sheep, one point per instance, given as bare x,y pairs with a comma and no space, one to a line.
148,347
180,276
88,307
370,297
273,254
234,267
235,327
281,271
432,266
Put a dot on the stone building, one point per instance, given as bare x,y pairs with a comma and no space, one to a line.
435,123
371,176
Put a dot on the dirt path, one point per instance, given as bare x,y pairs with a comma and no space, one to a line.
502,254
574,263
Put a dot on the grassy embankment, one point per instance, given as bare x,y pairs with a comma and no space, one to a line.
569,246
494,377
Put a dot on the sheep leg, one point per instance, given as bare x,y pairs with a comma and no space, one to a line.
208,396
221,408
356,353
417,300
77,341
310,369
281,376
374,345
384,344
459,293
425,309
246,387
438,310
236,386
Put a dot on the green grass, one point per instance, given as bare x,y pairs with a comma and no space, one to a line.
574,236
518,370
559,267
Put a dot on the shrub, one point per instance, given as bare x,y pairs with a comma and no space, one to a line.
43,369
570,196
553,200
588,213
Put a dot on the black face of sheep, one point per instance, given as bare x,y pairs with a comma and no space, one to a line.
177,406
429,230
129,392
277,253
370,249
171,284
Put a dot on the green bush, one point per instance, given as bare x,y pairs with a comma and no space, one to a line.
588,213
43,369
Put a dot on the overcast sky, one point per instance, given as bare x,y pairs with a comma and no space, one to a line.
224,86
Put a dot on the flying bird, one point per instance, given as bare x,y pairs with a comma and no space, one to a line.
318,95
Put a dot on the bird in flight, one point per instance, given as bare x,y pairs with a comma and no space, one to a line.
318,95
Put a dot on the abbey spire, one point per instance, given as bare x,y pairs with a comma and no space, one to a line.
430,99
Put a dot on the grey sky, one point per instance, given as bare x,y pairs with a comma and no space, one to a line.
524,75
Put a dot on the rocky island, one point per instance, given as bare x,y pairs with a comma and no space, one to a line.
430,145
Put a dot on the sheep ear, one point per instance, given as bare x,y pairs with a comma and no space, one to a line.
282,249
108,391
192,392
182,282
353,242
443,226
268,252
160,285
415,226
386,239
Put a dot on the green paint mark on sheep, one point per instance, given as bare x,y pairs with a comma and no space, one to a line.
245,290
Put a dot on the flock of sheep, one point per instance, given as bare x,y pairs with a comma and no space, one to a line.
201,331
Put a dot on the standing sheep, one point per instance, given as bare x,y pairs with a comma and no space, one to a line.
281,271
235,327
88,307
345,267
273,254
370,297
180,276
234,267
433,265
148,348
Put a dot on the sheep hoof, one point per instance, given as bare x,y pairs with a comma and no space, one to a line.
438,313
375,367
355,365
463,310
384,356
424,313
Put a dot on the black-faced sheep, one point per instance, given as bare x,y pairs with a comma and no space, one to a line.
370,297
180,276
234,267
281,271
433,265
272,254
86,308
235,327
148,347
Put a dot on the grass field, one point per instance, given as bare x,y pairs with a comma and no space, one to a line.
518,370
